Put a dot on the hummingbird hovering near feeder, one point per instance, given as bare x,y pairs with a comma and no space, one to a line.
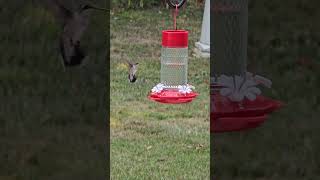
133,67
73,23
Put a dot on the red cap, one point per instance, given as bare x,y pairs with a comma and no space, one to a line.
175,38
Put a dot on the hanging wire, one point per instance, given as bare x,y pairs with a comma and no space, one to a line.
175,14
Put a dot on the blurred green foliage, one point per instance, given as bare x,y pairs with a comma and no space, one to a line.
144,4
134,3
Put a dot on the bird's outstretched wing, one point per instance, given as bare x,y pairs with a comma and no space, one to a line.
61,13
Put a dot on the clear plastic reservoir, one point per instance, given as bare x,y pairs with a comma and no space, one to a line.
174,66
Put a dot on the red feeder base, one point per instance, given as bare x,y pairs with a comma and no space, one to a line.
228,124
235,116
171,96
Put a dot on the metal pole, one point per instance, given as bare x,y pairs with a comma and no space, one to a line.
204,45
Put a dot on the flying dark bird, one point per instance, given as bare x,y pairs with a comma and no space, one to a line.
73,23
133,67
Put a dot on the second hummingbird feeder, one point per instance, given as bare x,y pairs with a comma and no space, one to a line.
236,100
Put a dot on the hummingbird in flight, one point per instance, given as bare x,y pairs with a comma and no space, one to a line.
133,67
73,23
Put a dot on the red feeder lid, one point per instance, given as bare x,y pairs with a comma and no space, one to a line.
175,38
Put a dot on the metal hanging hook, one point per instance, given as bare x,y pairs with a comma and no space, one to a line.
176,3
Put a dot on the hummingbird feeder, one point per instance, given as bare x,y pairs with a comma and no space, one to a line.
236,102
173,87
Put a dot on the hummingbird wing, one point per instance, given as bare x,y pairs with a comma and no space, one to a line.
76,26
129,64
61,13
81,19
73,27
133,68
67,48
71,37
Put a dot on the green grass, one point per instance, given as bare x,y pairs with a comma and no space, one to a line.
52,122
151,140
286,146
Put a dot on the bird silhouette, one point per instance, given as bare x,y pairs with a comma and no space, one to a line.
73,23
133,67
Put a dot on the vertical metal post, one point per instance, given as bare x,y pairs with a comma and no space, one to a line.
204,44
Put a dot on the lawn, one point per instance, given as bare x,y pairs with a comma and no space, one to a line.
283,46
52,121
150,140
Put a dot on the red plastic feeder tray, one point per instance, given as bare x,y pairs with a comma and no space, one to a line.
172,96
229,116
